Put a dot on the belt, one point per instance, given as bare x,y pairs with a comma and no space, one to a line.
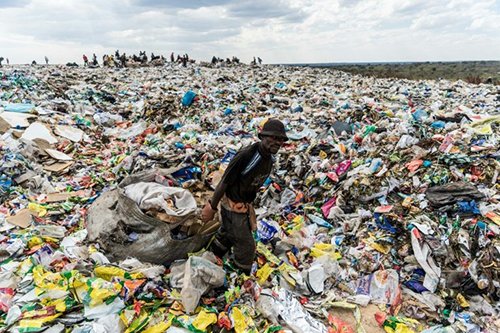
242,208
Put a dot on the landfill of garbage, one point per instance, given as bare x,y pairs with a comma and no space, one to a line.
386,197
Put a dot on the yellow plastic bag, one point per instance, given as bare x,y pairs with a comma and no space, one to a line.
98,296
298,224
239,322
262,249
59,304
462,301
204,319
483,126
109,272
158,328
48,280
127,316
371,241
287,271
263,273
321,249
34,241
25,267
37,210
138,323
37,322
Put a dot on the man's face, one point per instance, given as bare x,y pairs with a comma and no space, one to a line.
272,143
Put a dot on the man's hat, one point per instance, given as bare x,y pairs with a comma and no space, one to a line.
273,127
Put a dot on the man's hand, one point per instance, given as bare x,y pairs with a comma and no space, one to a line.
207,213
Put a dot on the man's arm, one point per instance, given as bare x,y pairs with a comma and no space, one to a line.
218,194
210,208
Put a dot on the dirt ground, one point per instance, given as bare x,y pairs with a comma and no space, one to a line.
367,318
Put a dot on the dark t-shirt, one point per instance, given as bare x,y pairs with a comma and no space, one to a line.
246,173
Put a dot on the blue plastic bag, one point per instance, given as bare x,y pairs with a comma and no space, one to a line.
228,157
468,207
18,107
419,115
266,232
438,124
188,98
319,221
186,173
384,223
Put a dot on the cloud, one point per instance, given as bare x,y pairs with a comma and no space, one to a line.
13,3
179,3
279,31
260,9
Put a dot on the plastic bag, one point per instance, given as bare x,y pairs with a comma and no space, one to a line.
382,287
199,276
284,305
188,98
338,325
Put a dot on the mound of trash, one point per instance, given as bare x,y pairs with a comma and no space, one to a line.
385,197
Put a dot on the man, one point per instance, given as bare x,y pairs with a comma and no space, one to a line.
123,60
236,191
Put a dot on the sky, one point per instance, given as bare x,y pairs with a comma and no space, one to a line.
278,31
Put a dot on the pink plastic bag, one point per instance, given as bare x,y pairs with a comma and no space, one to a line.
327,206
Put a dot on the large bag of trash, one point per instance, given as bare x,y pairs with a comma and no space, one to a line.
117,222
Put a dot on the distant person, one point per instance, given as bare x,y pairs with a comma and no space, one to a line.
184,60
1,59
8,63
259,60
85,60
214,60
46,60
123,60
172,57
254,62
115,61
94,60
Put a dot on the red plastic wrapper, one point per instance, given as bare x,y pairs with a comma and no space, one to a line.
6,295
337,325
223,321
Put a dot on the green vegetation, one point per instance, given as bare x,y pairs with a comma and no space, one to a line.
470,71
